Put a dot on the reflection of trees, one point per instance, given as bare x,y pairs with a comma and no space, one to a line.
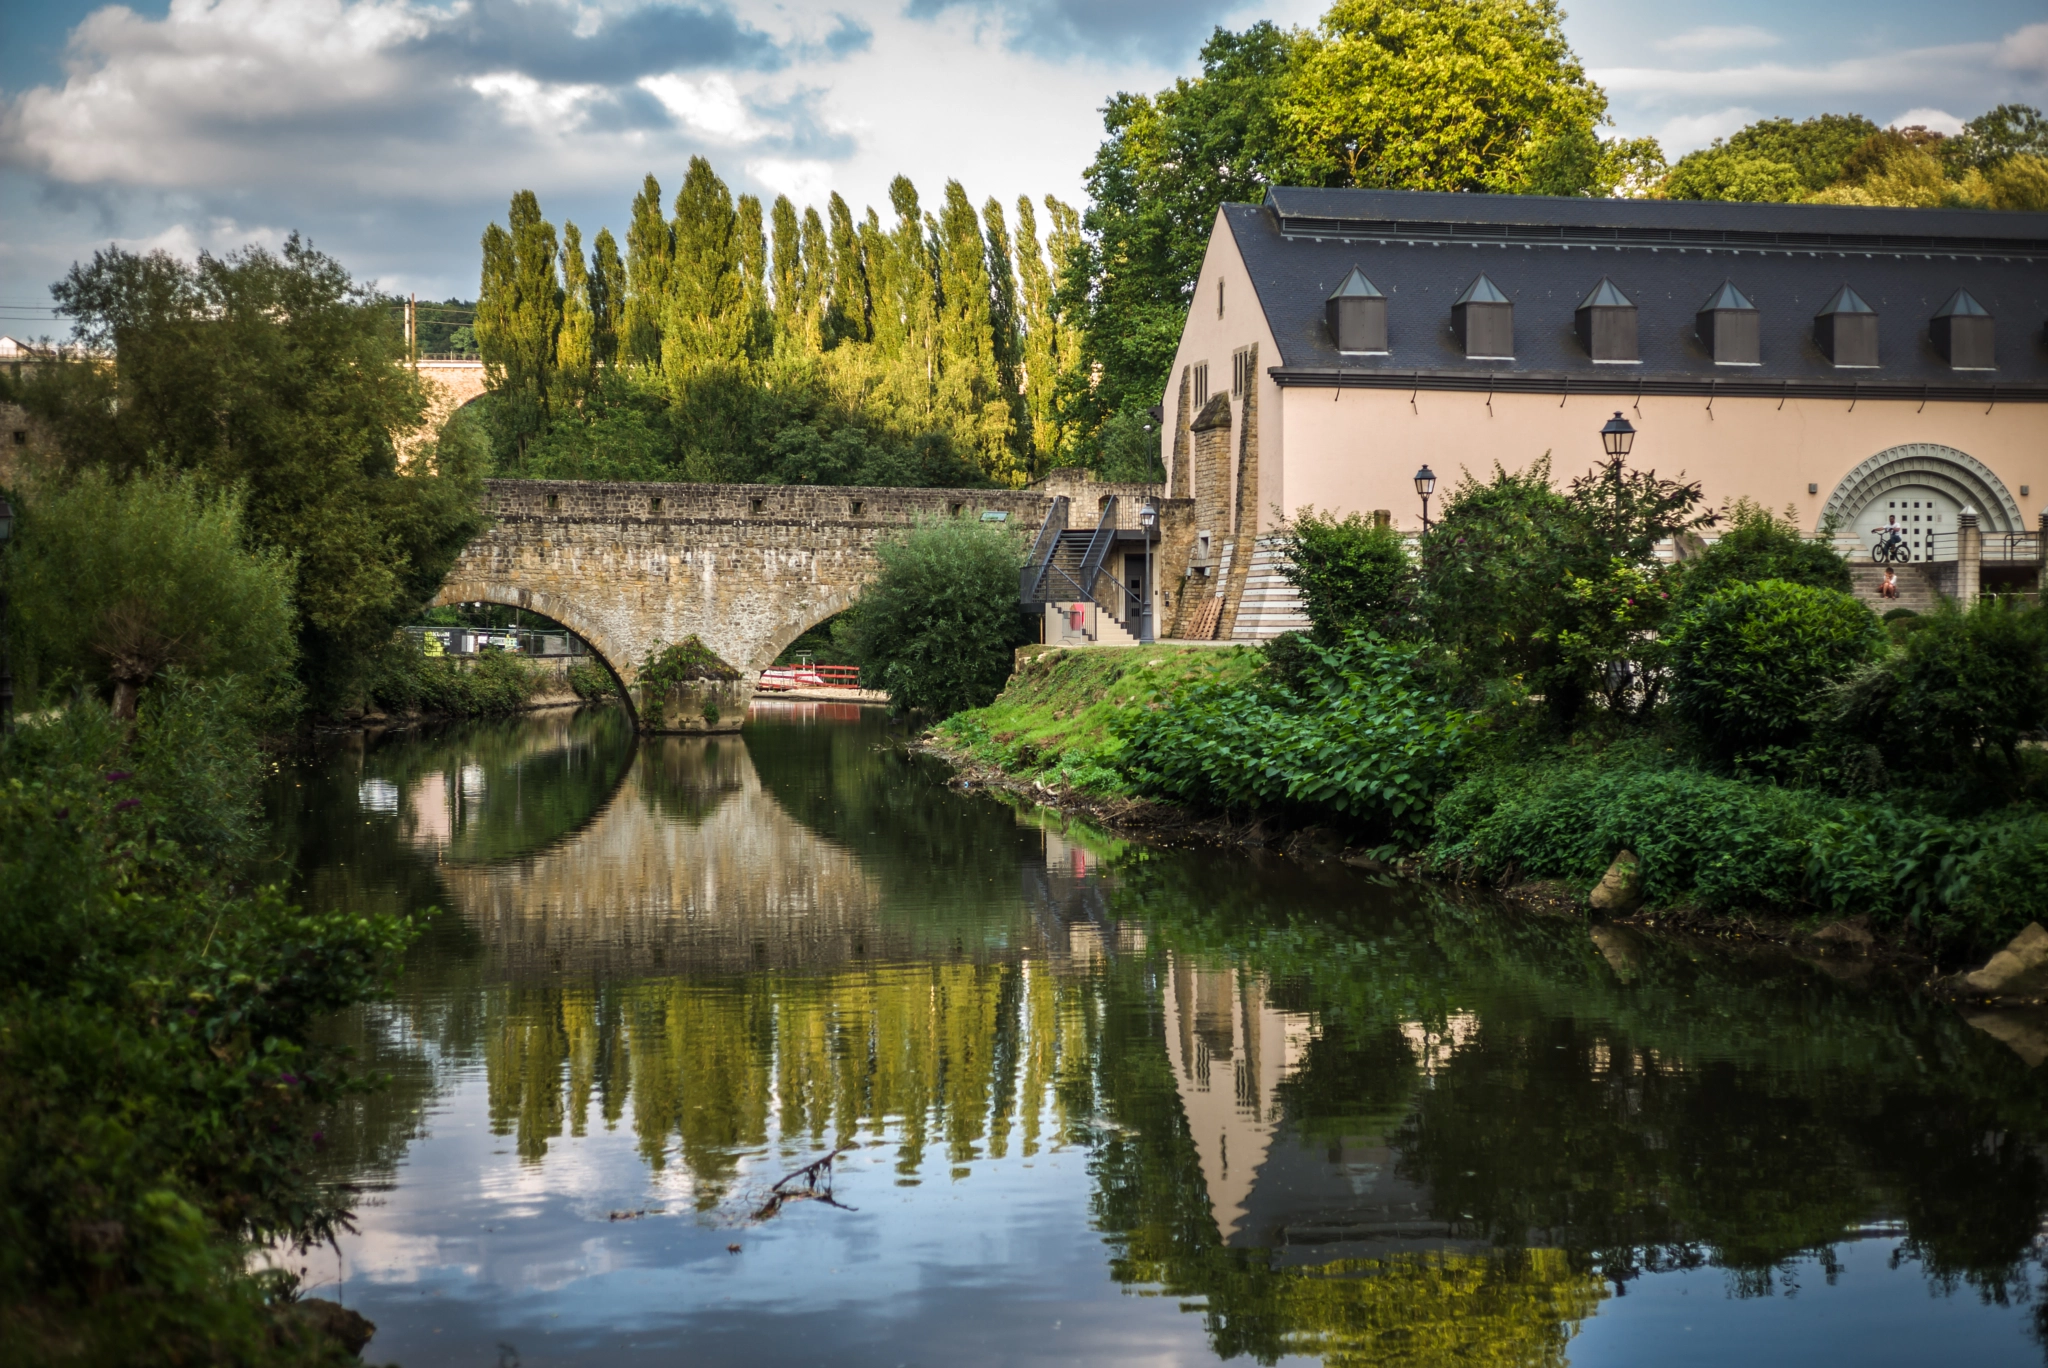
1710,1107
960,1055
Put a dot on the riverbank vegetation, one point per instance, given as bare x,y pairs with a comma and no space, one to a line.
1533,691
160,1082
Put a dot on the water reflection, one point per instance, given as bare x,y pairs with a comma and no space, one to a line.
1332,1119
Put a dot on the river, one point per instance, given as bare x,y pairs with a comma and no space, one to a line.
1096,1103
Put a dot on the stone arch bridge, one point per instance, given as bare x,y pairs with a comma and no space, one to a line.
744,568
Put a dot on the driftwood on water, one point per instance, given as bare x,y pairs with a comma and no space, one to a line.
816,1180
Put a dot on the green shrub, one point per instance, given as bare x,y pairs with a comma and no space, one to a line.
1748,662
1732,845
591,681
1950,707
1358,738
405,679
1354,575
113,582
160,1081
1758,546
939,626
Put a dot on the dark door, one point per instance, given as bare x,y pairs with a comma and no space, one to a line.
1135,583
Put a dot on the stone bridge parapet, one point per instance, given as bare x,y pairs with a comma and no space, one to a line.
744,568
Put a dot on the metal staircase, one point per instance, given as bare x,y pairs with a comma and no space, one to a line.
1067,565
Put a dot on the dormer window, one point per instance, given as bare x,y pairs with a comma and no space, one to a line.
1483,321
1728,327
1606,323
1845,330
1963,332
1357,316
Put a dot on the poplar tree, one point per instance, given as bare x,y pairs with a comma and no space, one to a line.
650,247
850,309
750,253
817,280
1038,360
705,323
1005,341
789,270
905,307
576,346
969,397
519,311
607,295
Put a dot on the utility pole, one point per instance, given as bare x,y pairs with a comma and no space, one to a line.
412,330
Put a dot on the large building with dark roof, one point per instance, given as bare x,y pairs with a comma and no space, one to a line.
1865,367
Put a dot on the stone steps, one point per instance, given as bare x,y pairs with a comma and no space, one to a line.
1270,605
1921,585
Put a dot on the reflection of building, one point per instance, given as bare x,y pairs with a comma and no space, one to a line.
1229,1049
1310,1201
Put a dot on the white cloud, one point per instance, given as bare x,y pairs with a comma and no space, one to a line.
540,106
806,182
1686,132
1718,38
711,105
1850,76
2025,50
1935,120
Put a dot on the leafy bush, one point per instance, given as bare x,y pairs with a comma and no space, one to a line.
1727,845
405,679
159,1079
685,661
591,681
1952,704
1359,738
1759,545
115,581
939,625
1353,574
1749,661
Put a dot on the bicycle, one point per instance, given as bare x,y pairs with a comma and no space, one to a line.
1891,548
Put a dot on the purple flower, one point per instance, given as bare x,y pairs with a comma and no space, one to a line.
287,1078
319,1137
127,803
116,776
62,814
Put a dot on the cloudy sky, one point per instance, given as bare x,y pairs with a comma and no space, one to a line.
390,131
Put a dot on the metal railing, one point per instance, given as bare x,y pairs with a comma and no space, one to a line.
467,641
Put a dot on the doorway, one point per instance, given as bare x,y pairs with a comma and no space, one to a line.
1137,581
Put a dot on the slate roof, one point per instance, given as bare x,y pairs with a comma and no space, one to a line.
1424,251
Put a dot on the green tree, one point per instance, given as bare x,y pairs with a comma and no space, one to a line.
705,324
650,249
1006,336
114,582
817,297
1759,545
750,253
519,315
1750,662
1771,159
786,244
276,375
1353,574
851,309
1167,163
2010,130
938,626
1950,707
607,295
576,345
1442,95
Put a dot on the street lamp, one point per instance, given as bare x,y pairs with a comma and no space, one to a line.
1425,485
1148,518
1617,437
6,669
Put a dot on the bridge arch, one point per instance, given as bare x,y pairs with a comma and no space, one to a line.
560,608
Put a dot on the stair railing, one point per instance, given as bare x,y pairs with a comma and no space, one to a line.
1032,581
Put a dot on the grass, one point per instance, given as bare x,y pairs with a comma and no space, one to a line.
1056,720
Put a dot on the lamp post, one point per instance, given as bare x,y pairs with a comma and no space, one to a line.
1148,518
1617,437
6,667
1425,485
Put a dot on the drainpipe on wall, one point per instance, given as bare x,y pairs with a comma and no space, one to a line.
1969,557
2041,556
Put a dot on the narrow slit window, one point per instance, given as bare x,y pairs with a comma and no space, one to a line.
1241,367
1201,384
